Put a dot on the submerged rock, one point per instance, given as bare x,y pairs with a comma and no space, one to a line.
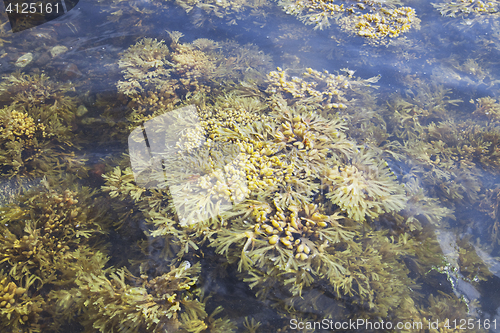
81,110
57,50
69,72
24,60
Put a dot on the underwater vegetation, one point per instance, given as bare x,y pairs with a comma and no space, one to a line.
17,310
4,33
38,90
364,188
250,194
171,73
247,173
330,91
129,14
465,7
42,226
454,159
202,12
36,120
374,20
44,231
483,14
53,261
122,302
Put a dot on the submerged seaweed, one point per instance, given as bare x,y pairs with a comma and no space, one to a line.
374,20
307,193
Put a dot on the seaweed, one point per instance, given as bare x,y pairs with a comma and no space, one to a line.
18,311
300,248
323,89
364,188
370,19
489,204
36,127
466,7
115,300
486,108
269,179
43,226
158,77
37,90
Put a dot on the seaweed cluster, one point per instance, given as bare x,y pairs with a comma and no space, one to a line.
487,108
125,303
38,90
243,176
321,89
365,188
297,249
40,230
482,14
52,270
370,19
129,13
18,312
447,155
36,123
301,184
159,77
43,232
465,7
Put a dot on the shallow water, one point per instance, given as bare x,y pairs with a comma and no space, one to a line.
421,143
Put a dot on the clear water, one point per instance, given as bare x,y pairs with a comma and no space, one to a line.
424,113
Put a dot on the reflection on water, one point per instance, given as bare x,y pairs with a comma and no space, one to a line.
251,166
